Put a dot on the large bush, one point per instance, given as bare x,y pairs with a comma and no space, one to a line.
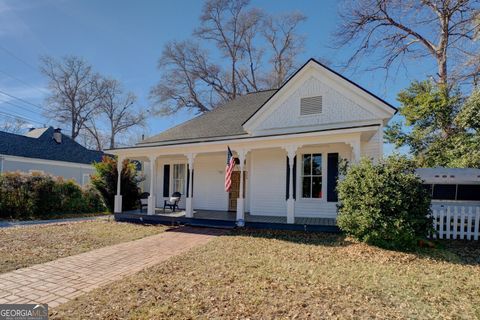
27,196
384,203
105,181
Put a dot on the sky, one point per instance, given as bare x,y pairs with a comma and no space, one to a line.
124,39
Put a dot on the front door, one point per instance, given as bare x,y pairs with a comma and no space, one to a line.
235,190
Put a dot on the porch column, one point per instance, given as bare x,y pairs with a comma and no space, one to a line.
356,152
117,208
153,175
291,152
189,204
241,197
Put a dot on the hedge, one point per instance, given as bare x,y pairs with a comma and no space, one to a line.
33,196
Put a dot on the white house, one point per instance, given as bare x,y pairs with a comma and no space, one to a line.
287,141
47,151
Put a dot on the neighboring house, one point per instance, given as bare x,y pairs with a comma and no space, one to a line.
47,151
287,141
452,186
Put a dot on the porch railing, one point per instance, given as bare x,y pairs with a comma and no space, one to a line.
456,222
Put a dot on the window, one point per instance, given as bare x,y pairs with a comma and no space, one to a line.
311,105
444,191
468,192
312,175
179,173
85,179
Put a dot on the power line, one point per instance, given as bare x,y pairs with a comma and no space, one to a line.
23,82
9,115
18,106
23,100
18,58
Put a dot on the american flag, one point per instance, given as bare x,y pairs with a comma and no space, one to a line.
229,170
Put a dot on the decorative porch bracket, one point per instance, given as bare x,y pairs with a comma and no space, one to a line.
189,201
356,152
242,154
151,198
117,208
291,153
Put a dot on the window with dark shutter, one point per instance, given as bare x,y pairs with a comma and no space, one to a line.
166,180
311,105
332,177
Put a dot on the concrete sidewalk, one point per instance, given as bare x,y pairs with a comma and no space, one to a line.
58,281
9,224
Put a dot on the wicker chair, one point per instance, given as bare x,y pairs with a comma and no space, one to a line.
144,200
172,203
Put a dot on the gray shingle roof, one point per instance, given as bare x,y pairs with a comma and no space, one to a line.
223,121
41,145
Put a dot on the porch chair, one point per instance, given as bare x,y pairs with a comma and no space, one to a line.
144,200
172,203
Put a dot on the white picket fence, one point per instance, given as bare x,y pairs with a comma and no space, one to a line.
456,222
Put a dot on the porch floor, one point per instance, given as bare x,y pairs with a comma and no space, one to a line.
231,216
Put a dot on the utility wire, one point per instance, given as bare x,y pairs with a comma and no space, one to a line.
17,58
9,115
43,91
18,106
23,100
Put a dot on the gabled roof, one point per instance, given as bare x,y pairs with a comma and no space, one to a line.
39,144
223,121
312,60
229,120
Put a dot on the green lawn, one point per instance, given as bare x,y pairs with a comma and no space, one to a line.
285,275
29,245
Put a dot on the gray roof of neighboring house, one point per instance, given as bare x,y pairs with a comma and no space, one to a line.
39,144
223,121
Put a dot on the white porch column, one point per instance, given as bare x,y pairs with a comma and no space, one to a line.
356,152
153,175
118,197
291,152
189,203
241,153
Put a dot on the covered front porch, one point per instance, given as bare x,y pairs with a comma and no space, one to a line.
278,180
216,218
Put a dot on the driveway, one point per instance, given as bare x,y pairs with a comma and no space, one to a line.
61,280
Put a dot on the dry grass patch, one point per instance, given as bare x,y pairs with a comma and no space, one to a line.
25,246
287,275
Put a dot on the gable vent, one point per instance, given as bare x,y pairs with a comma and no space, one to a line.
310,105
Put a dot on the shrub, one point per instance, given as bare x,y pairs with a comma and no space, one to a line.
33,196
384,203
105,181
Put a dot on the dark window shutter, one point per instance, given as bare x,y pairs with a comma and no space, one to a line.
166,180
332,177
294,178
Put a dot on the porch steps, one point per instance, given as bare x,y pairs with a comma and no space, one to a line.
209,223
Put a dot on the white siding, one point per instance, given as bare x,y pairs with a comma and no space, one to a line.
268,182
372,148
336,108
318,207
209,183
60,170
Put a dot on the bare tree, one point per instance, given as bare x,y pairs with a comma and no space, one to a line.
227,23
13,125
442,30
119,109
190,80
285,44
74,91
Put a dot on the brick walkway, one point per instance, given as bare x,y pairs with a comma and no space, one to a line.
58,281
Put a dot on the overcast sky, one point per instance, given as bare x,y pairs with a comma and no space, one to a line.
124,39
